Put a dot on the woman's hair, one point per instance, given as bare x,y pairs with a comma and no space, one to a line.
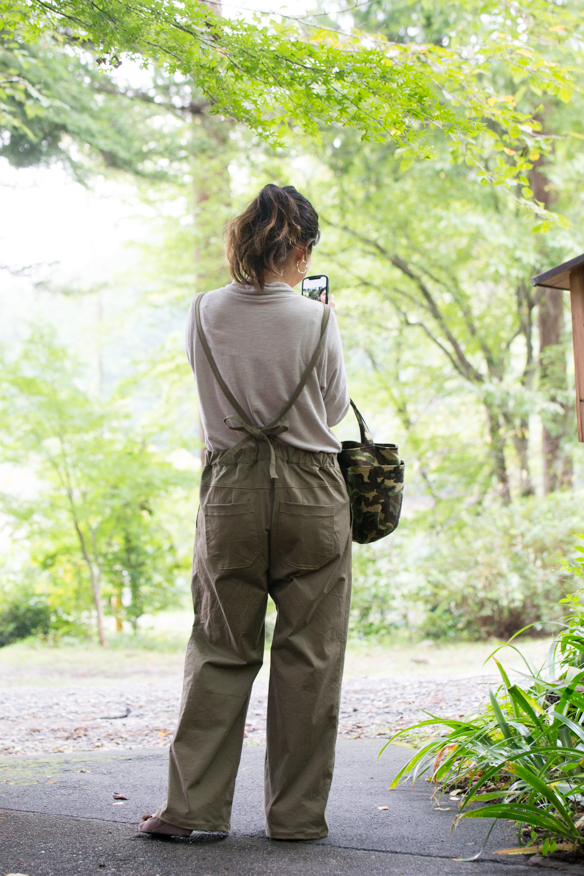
260,238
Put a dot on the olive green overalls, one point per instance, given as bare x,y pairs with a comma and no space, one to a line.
272,519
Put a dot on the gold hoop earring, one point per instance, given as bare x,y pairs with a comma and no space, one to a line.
298,266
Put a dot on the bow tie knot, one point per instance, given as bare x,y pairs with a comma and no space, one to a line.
260,433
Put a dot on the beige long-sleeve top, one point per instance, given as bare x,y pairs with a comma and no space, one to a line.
262,342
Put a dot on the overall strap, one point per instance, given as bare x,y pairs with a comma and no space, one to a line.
326,313
260,433
210,359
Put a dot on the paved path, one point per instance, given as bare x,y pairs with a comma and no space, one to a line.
58,817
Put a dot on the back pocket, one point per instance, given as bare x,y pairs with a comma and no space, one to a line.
305,534
231,534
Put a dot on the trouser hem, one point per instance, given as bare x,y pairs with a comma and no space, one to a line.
297,835
199,825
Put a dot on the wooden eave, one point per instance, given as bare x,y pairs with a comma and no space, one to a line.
558,277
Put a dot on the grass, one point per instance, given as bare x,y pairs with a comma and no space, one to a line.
159,647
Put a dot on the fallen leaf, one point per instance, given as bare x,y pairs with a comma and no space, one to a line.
383,808
117,796
77,733
531,850
442,808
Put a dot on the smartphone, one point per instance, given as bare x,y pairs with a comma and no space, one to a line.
316,287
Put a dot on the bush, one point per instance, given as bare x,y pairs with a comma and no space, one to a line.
388,587
486,575
21,619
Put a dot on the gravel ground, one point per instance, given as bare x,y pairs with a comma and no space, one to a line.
37,720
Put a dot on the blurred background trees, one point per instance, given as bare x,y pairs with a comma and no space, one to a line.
95,529
450,351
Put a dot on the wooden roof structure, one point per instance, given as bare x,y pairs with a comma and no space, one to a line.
570,275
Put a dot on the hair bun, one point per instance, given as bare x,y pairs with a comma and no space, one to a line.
260,238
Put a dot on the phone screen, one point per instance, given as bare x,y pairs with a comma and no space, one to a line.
316,287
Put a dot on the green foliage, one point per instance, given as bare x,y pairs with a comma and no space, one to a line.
96,527
277,72
521,755
141,568
23,618
500,570
28,590
490,572
62,106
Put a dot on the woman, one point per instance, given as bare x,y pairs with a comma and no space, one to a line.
274,519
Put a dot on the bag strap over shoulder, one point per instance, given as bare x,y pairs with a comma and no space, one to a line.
260,433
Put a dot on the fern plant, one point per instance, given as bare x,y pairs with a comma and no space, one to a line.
522,756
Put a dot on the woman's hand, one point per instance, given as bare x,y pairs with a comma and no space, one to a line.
331,301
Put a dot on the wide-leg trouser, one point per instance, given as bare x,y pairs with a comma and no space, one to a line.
289,537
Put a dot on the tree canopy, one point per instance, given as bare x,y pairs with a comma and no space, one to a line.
277,72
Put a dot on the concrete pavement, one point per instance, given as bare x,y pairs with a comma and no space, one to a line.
58,817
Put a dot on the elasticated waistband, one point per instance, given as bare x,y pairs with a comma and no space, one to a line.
260,452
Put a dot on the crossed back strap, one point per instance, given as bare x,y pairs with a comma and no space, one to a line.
262,433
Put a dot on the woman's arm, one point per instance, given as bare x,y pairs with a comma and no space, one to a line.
334,379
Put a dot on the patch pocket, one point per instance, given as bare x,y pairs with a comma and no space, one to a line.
305,534
231,534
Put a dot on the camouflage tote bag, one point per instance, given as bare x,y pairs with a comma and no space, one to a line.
374,475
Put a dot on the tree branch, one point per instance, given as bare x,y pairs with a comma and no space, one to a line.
466,367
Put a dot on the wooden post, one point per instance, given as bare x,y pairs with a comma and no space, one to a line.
570,275
577,301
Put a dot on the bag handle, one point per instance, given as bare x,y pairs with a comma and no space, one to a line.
303,380
366,436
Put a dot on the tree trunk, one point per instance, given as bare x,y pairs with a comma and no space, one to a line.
94,571
119,609
521,444
497,447
96,593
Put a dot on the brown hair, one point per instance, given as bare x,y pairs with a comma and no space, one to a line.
260,238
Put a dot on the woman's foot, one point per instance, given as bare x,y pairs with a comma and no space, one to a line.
154,825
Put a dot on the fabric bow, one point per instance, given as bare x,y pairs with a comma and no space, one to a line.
262,433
